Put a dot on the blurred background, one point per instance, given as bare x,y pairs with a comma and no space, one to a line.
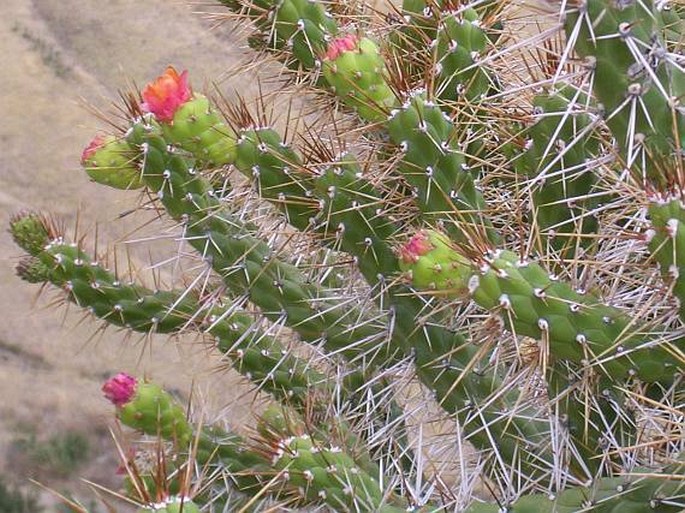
58,56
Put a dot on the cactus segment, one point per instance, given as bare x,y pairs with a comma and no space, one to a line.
334,202
658,493
146,407
355,69
278,422
424,258
153,411
673,15
300,26
32,231
276,171
351,216
460,42
667,244
187,120
247,264
254,354
578,326
559,146
319,473
199,130
111,161
434,166
636,80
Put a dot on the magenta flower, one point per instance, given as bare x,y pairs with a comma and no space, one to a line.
166,94
120,389
417,246
341,45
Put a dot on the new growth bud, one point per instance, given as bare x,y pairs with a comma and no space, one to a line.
111,161
341,45
432,263
32,231
120,389
148,408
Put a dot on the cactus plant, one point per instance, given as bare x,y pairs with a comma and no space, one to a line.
486,213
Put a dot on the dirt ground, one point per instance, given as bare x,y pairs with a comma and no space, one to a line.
56,55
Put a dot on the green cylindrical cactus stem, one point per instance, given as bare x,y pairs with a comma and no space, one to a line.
277,174
641,96
577,326
302,27
90,285
247,264
460,41
645,491
351,217
111,161
32,231
279,421
432,163
148,408
673,16
335,201
666,239
320,473
355,69
558,147
595,418
434,166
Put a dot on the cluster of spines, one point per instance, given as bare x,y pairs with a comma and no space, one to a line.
530,301
556,162
89,284
637,80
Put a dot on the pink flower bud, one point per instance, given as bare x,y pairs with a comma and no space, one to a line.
166,94
120,389
341,45
417,246
93,146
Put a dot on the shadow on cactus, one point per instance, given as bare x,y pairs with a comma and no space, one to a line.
479,229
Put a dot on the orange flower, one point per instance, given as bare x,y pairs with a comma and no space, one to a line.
166,94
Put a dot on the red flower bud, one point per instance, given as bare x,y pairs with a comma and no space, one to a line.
417,246
341,45
120,389
93,146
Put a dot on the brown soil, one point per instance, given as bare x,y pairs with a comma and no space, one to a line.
56,55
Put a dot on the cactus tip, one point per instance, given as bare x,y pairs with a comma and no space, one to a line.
341,45
417,246
32,231
93,146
